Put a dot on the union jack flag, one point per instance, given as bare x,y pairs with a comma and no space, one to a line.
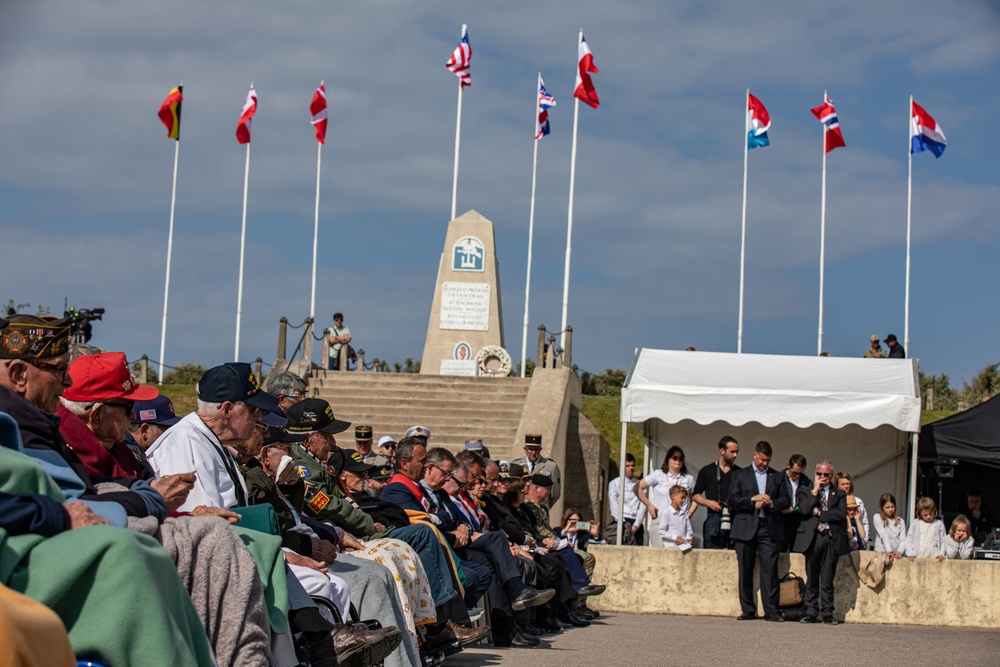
828,116
461,58
545,102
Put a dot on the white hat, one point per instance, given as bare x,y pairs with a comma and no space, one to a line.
417,432
386,438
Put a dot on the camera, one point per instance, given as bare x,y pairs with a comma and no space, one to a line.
80,328
726,524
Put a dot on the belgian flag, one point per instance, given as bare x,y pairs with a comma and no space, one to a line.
170,112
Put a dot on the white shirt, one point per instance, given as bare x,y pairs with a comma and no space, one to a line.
660,484
889,536
190,446
674,524
634,509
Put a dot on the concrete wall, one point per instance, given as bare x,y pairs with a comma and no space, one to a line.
704,583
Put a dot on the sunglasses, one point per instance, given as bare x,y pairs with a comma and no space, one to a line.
676,458
58,369
823,474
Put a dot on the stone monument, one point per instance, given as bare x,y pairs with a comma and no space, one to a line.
465,331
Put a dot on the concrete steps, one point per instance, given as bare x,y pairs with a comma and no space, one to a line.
455,409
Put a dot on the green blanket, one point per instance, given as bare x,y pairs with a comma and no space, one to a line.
116,591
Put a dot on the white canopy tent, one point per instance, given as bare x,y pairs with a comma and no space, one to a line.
860,413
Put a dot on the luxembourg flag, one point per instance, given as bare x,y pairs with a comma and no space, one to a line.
758,123
925,133
545,102
585,67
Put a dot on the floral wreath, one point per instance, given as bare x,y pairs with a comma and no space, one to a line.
493,352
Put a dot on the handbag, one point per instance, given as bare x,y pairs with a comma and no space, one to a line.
790,590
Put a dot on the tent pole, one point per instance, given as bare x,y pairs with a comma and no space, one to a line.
912,499
621,483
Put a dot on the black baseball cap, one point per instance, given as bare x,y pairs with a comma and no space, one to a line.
159,411
314,414
234,381
354,462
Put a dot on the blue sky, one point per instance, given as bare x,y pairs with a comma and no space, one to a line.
85,183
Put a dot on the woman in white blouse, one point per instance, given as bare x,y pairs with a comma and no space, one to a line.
673,472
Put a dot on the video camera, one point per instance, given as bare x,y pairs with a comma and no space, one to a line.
80,328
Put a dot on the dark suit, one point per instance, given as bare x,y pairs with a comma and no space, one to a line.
822,550
753,534
794,518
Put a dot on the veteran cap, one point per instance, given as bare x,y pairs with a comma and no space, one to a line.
30,337
159,411
104,377
541,480
234,381
314,414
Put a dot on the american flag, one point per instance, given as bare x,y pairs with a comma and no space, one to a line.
828,116
545,102
318,110
461,58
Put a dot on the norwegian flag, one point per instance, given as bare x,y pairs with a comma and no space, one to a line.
249,109
318,110
461,59
545,102
828,116
584,86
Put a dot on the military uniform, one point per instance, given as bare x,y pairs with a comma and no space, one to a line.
325,499
547,467
540,519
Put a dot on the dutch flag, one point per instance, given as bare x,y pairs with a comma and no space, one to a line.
925,133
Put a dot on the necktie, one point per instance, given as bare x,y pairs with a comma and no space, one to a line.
824,495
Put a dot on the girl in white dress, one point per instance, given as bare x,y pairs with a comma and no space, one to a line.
926,538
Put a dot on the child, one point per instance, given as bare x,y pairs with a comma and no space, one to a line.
959,542
856,535
675,526
926,537
844,482
890,530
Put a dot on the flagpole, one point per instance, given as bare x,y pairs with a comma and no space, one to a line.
319,164
743,242
170,250
458,139
569,223
531,234
909,208
822,242
243,238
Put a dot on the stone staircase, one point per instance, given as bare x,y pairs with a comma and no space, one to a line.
455,409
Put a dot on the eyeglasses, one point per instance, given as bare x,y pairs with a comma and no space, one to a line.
126,405
823,474
57,369
676,458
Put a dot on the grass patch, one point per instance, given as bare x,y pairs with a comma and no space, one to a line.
184,398
928,416
605,413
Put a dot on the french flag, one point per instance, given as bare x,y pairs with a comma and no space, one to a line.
925,133
828,116
584,86
758,123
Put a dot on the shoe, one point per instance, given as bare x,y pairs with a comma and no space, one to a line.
747,616
531,630
475,614
516,640
583,613
563,625
775,618
437,642
531,597
809,619
357,646
465,636
574,620
549,625
830,620
592,589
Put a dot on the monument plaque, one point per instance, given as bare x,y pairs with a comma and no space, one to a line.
465,306
466,315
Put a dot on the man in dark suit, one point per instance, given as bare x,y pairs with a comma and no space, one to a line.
757,496
822,537
796,476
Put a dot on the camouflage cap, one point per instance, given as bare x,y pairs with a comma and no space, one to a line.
31,337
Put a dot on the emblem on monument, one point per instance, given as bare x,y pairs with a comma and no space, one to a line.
468,254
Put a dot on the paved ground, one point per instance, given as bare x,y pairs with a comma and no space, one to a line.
624,640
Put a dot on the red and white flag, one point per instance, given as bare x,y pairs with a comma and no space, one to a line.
318,110
249,109
460,60
584,86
